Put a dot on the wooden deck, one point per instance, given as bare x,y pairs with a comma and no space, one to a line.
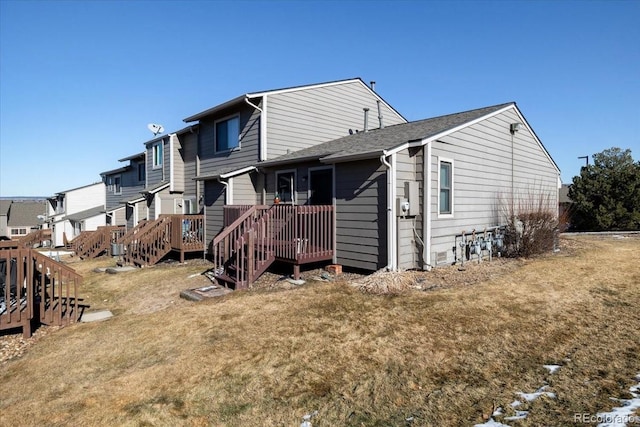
150,241
35,287
259,236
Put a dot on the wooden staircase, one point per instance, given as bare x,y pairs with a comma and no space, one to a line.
149,242
35,287
98,242
242,251
31,240
293,234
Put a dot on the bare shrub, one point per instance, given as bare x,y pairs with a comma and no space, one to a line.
531,223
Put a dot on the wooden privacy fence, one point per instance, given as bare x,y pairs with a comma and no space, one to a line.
33,286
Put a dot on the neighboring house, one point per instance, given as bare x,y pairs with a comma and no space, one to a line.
403,193
25,217
171,162
124,202
235,137
4,217
72,211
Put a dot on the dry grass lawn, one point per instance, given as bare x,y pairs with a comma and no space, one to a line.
443,357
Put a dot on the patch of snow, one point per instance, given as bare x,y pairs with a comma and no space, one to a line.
194,275
620,416
551,368
529,397
520,415
491,423
498,412
515,403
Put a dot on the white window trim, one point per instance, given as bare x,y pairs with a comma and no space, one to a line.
450,161
153,155
215,134
295,182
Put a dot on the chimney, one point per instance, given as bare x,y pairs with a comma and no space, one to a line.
366,119
380,115
373,85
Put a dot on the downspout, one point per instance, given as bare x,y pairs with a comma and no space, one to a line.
427,195
391,232
226,191
262,155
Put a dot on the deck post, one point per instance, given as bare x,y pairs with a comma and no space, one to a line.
296,271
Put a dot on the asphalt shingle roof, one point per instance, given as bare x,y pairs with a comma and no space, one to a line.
25,213
89,213
375,141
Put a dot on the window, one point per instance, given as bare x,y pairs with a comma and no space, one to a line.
117,188
228,134
157,155
285,186
445,185
18,231
141,172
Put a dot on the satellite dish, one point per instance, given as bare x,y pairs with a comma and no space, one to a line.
155,129
41,218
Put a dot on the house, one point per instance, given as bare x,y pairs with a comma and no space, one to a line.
24,217
405,193
235,137
4,217
72,211
171,163
124,203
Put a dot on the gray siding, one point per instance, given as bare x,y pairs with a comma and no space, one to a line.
188,152
214,200
409,168
481,155
246,155
155,176
300,119
361,215
130,188
177,166
245,189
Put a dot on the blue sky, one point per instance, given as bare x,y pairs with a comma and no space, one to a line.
79,80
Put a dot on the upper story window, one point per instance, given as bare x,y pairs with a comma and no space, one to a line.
142,172
157,155
286,186
117,184
227,134
445,187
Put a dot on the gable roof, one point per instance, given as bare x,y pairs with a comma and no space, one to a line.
241,99
89,213
25,213
376,142
4,207
137,156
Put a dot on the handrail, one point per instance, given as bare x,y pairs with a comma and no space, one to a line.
100,240
129,235
37,285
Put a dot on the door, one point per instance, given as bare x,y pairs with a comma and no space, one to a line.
321,186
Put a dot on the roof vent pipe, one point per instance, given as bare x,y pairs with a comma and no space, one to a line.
373,85
380,115
366,119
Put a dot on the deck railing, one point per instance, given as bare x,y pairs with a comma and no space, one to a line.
183,233
36,287
28,241
79,242
295,234
100,241
232,212
132,232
